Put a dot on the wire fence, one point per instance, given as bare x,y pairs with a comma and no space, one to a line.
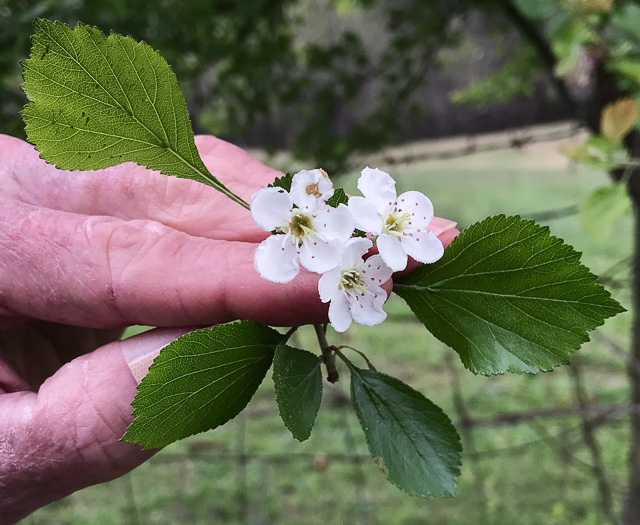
455,148
571,433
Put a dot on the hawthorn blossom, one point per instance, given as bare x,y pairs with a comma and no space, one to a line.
354,287
307,231
309,187
399,222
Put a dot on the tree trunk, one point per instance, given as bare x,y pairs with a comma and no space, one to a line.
632,497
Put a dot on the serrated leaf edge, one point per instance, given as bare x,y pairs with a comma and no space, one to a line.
278,393
544,231
157,363
203,177
443,417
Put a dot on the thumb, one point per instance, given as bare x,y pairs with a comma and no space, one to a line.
67,436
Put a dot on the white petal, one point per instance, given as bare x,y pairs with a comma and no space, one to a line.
339,313
366,310
309,188
328,285
325,186
354,249
379,296
392,252
270,208
424,247
366,217
419,206
275,260
319,256
378,187
333,223
376,270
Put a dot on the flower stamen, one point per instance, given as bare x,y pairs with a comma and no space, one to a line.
351,280
394,223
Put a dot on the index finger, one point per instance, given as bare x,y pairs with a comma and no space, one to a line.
132,192
105,272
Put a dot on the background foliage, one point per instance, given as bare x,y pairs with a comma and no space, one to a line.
245,62
323,79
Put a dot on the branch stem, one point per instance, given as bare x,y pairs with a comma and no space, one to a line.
286,336
328,353
589,435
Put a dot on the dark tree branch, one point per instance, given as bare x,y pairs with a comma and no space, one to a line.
542,47
590,439
468,437
562,448
595,412
633,366
632,504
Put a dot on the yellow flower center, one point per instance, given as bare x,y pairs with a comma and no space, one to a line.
300,225
351,280
395,223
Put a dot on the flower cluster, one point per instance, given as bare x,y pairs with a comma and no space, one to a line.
308,232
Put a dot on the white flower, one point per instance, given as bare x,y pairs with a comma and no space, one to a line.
400,223
307,231
309,187
354,287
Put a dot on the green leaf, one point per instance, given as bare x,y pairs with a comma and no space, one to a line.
627,70
412,440
598,152
100,101
298,384
338,197
602,210
604,153
508,296
569,42
201,381
283,182
537,10
515,78
625,20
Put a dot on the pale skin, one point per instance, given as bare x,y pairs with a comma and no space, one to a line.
84,254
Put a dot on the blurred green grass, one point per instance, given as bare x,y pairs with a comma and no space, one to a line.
253,471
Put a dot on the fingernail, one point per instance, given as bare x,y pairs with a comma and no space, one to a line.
139,351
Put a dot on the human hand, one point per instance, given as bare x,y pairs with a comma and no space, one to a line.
84,254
